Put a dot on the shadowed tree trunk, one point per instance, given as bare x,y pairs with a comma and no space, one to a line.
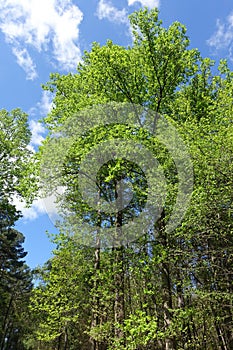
166,284
96,298
119,307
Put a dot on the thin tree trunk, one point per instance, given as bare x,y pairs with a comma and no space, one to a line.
221,338
167,305
66,340
119,306
166,285
59,342
96,299
5,322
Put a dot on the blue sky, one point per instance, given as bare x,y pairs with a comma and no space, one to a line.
38,37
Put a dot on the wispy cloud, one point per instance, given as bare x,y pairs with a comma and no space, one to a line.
223,36
148,3
42,108
25,61
105,9
45,25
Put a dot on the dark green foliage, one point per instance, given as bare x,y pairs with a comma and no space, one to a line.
15,276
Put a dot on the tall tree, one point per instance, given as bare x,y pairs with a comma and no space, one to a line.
164,289
15,278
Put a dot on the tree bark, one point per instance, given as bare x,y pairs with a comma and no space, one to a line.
96,299
119,305
166,284
5,323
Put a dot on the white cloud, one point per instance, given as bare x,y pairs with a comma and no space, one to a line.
43,107
148,3
42,26
37,208
31,148
106,10
223,37
37,131
51,206
24,60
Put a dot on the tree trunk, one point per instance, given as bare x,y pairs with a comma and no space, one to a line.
118,251
167,305
96,299
119,307
5,323
166,284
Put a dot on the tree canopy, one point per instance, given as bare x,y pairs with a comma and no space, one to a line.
139,130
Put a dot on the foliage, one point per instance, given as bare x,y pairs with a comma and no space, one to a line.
15,277
164,290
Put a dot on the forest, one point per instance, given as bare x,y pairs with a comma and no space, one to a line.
138,274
